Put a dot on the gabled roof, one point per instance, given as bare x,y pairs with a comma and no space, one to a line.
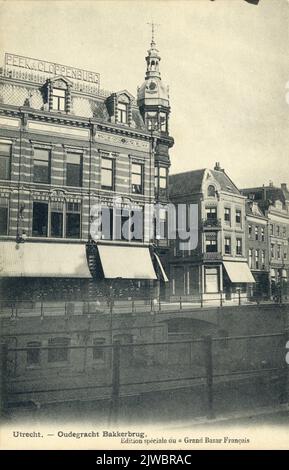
191,182
186,183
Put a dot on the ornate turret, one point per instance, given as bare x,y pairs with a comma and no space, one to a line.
153,95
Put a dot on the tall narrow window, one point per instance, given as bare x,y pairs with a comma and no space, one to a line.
257,259
40,219
73,220
74,169
58,99
137,178
5,161
256,232
250,258
56,215
163,177
227,245
107,173
227,215
41,167
211,243
238,216
211,213
122,113
249,230
262,234
272,250
263,259
278,251
163,122
3,216
239,248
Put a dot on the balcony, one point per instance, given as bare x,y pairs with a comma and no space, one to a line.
212,256
208,224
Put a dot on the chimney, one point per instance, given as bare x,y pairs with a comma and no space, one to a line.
284,186
217,166
271,184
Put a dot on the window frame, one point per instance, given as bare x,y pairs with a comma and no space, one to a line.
6,157
111,170
227,215
48,150
58,99
139,174
122,113
228,245
79,165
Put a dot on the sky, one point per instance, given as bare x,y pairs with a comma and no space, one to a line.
226,63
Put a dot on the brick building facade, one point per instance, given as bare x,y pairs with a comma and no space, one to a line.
65,146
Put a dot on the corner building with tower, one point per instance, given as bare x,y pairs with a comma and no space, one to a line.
66,147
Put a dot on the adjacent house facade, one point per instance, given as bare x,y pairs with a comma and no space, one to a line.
258,254
274,203
218,265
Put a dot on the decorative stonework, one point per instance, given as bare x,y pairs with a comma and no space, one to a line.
122,141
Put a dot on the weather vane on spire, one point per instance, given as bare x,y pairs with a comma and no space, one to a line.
153,25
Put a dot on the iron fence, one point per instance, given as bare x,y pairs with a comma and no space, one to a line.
172,379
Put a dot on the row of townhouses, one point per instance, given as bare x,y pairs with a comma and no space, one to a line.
70,151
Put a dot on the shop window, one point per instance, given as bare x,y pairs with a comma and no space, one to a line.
59,349
73,220
41,166
74,169
3,216
40,219
211,280
56,214
5,161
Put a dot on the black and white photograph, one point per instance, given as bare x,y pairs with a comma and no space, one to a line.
144,225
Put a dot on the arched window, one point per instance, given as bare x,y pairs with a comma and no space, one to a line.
211,191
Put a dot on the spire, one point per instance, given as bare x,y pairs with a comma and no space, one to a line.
153,57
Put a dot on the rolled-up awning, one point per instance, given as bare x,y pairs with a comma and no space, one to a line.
43,260
161,269
238,272
126,262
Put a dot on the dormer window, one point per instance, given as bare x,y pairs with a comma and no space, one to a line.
122,111
58,99
57,92
119,106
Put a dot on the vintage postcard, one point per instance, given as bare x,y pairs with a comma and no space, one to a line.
144,225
